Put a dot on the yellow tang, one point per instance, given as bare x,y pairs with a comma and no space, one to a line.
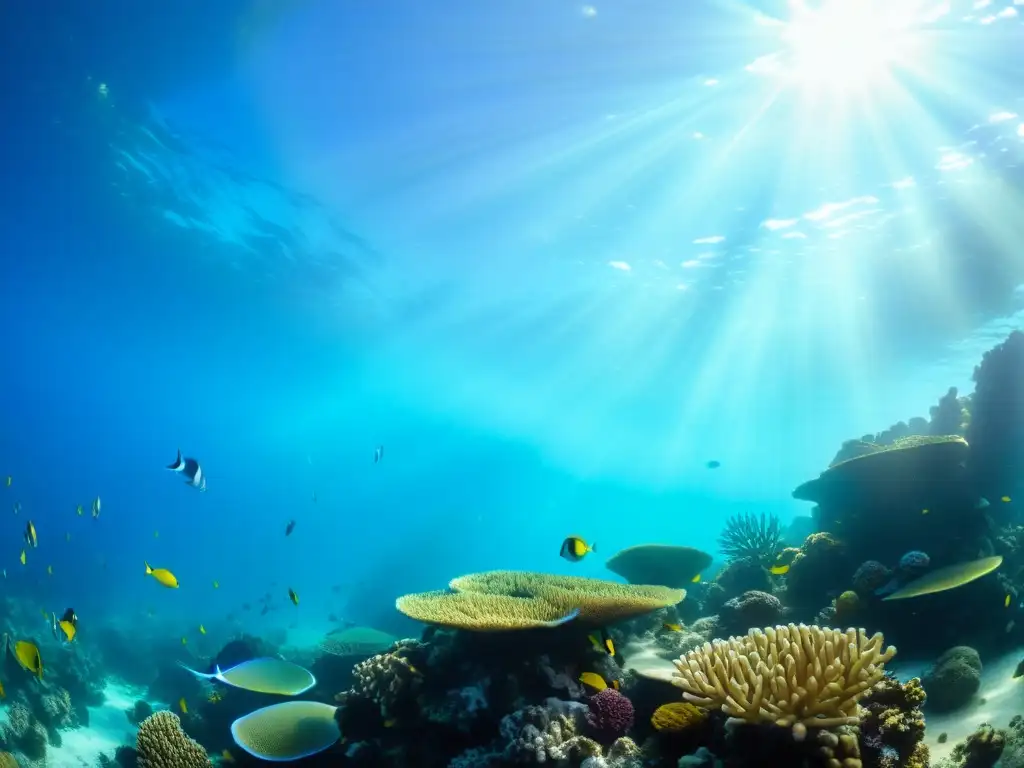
183,706
593,680
28,656
779,570
163,576
202,630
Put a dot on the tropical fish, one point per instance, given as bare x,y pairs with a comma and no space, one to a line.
79,510
314,497
575,549
23,558
603,642
673,627
783,561
593,680
925,511
184,640
982,503
30,535
183,706
16,507
9,481
695,579
293,596
227,757
65,629
1019,671
49,570
3,693
1005,499
156,534
191,470
378,454
202,630
28,656
96,506
287,731
215,696
163,576
950,577
216,584
262,675
289,528
390,722
713,464
1006,601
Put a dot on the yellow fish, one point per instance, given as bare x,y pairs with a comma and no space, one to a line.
79,510
183,706
68,628
604,643
214,696
30,534
216,584
615,684
390,722
1006,602
575,549
49,569
28,656
779,570
202,630
925,511
22,558
673,627
593,680
227,757
163,576
1005,499
184,640
293,596
695,579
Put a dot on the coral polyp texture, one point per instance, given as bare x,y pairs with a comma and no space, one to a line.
788,675
161,743
499,600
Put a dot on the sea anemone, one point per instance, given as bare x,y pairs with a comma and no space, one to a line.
749,536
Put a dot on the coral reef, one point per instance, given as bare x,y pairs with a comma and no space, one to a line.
24,732
751,609
982,749
892,725
161,743
609,713
954,679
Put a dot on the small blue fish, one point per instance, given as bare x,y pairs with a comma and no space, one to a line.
713,464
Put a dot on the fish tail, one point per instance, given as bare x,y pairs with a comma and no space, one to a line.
197,673
593,547
149,571
178,463
565,619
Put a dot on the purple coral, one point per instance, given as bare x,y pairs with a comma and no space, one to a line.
610,712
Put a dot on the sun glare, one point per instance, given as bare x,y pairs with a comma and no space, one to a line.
848,43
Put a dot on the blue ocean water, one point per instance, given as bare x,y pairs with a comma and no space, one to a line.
553,257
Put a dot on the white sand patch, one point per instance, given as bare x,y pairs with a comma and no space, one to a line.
108,729
996,702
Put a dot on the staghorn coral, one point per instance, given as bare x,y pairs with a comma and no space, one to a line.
161,743
677,716
386,679
610,713
747,536
789,675
662,564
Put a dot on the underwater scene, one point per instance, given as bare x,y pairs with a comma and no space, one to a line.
626,384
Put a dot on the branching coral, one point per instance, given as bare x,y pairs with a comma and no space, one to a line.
750,536
788,675
548,733
24,732
892,725
386,679
161,743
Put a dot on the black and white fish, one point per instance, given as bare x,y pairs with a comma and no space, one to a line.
191,470
378,453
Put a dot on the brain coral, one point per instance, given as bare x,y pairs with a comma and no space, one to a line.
162,744
677,716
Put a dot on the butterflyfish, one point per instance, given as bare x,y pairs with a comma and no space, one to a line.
23,558
950,577
293,596
163,576
287,731
28,656
183,706
30,535
673,627
593,680
66,627
190,470
695,579
96,506
263,675
783,561
575,549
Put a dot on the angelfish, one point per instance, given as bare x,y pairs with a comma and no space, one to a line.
191,470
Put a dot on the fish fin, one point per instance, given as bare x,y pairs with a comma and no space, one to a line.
178,464
149,570
593,547
565,619
197,673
